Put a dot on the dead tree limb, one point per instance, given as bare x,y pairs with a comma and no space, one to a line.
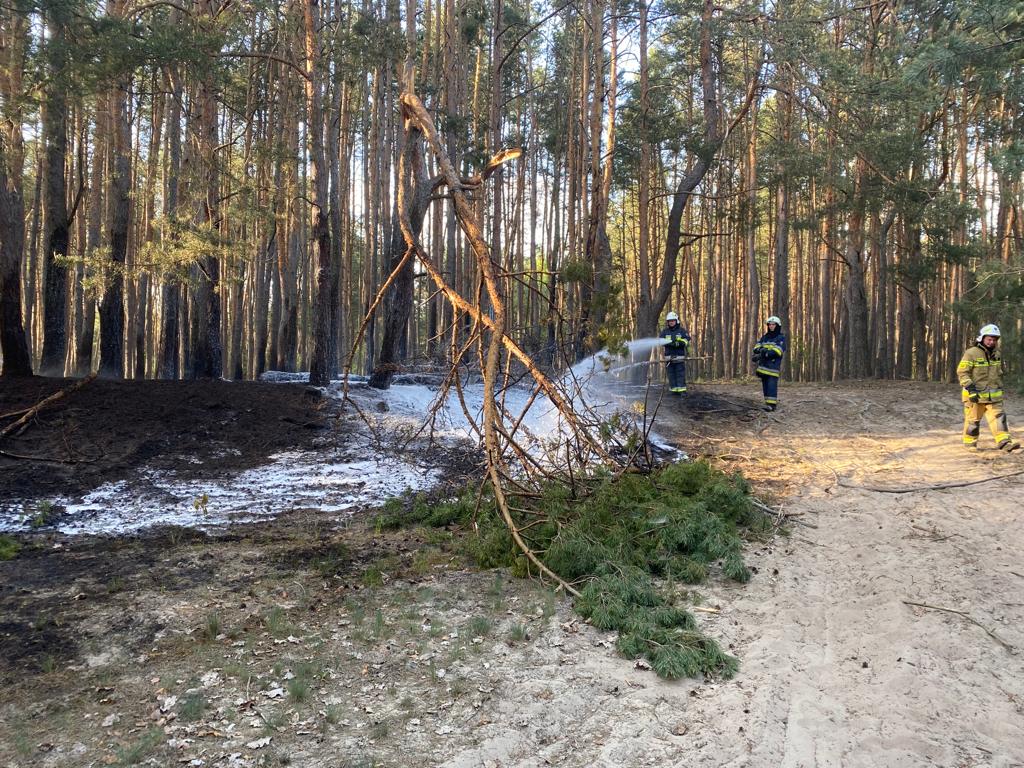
969,618
413,110
464,212
43,459
22,423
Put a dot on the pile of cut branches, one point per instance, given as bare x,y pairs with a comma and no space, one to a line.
623,547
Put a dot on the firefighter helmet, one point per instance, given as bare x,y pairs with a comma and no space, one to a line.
671,316
773,319
988,330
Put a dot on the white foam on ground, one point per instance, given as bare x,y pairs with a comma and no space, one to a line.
599,386
293,480
331,482
413,405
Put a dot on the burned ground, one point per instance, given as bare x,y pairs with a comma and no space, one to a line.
106,428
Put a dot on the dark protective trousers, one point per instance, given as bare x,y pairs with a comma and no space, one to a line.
770,388
676,375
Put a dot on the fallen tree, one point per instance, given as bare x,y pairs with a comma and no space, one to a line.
554,497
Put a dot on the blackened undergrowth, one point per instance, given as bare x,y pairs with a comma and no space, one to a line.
624,544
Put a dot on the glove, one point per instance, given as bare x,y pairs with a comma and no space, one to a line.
974,397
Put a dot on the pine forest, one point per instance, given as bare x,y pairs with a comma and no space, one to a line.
218,188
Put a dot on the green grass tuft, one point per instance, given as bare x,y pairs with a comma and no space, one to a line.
191,707
479,626
333,560
418,510
9,548
143,747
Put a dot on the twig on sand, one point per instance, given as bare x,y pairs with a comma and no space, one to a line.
779,515
934,534
936,487
22,423
829,467
967,616
776,513
812,543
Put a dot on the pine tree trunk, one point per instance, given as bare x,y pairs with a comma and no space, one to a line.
112,307
17,359
13,343
320,234
58,236
170,331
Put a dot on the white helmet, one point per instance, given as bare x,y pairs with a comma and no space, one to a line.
988,330
773,319
671,316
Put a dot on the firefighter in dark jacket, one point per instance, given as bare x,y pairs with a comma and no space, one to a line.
677,344
980,373
768,354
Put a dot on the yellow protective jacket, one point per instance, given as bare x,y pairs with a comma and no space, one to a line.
981,371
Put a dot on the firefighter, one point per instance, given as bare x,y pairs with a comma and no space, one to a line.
980,373
768,354
677,344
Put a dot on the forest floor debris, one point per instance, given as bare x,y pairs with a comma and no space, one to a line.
294,642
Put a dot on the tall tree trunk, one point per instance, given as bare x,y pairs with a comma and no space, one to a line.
170,333
17,361
653,302
780,287
647,321
57,239
752,319
206,339
320,234
13,344
855,297
112,307
413,198
599,252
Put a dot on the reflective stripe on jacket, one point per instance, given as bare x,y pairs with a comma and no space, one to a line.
678,340
981,371
768,353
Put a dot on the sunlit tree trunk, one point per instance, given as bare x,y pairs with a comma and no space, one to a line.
13,341
57,224
112,306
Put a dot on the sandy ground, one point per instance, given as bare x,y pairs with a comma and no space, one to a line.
837,669
410,660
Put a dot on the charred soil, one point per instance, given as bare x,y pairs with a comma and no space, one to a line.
99,432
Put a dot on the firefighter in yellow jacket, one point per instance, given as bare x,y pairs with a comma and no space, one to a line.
980,373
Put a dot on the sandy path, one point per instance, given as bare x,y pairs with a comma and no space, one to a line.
836,669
